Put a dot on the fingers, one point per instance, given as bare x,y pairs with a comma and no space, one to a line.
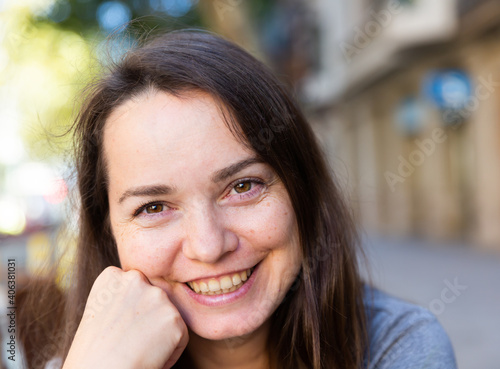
128,323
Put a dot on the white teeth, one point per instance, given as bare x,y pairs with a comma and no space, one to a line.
213,285
203,287
236,279
225,284
195,287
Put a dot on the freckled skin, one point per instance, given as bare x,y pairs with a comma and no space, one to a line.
206,229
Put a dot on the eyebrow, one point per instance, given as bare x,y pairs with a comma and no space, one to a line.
146,191
217,177
231,170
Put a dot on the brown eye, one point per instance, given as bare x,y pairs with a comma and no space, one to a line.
243,187
156,208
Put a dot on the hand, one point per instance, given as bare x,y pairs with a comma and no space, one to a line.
127,323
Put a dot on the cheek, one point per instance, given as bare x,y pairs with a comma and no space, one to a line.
269,225
147,250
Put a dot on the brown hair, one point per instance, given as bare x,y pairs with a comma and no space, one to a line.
321,322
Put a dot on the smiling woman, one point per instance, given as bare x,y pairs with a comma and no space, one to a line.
202,246
191,206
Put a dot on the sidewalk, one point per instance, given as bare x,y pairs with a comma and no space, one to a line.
459,284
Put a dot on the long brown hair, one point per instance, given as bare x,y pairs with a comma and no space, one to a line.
321,322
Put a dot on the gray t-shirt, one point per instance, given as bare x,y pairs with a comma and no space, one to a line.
405,336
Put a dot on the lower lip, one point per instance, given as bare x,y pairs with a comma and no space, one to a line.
224,298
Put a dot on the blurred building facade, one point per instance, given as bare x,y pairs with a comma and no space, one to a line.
406,99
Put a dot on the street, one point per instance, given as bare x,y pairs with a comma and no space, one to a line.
458,283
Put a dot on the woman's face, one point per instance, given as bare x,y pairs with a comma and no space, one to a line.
196,211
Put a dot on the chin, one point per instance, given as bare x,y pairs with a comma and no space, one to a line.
227,327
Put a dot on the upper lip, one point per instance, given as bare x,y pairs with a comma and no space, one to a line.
215,276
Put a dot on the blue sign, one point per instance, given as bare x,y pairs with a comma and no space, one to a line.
448,89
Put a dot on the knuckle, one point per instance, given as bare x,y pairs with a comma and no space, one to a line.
171,316
134,275
111,271
175,325
157,294
178,321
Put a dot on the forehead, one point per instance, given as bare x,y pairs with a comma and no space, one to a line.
156,134
182,118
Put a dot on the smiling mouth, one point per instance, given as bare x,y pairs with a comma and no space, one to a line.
223,284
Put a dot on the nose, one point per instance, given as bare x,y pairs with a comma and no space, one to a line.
207,239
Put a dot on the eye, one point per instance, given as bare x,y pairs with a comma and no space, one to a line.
154,208
150,208
243,187
246,188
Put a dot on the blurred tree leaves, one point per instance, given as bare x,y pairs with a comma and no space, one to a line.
86,16
53,67
53,49
46,68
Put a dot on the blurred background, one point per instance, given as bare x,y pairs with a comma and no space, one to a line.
402,93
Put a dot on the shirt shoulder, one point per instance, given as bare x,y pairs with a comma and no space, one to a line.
403,335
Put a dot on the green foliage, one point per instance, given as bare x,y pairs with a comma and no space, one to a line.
47,68
81,16
56,46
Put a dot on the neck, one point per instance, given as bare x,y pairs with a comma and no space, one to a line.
249,351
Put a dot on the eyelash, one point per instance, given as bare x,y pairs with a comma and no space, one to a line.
241,196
